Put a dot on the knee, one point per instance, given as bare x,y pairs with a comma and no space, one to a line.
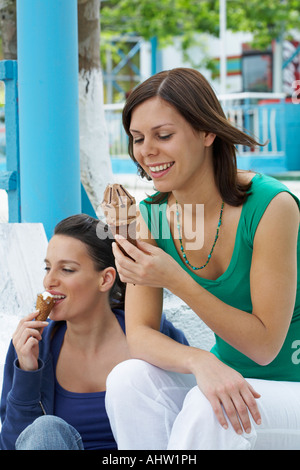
198,407
48,432
127,375
35,431
43,424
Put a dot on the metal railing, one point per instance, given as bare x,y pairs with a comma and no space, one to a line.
261,115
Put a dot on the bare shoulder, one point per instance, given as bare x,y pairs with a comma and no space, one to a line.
281,218
284,204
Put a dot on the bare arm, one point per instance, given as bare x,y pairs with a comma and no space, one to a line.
273,279
273,285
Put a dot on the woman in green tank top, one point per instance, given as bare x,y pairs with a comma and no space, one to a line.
225,242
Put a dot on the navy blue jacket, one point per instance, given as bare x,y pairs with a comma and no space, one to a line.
26,395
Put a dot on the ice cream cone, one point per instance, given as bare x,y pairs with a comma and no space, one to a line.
44,303
119,209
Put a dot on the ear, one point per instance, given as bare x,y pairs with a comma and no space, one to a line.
106,279
209,138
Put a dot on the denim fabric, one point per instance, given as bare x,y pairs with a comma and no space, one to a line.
49,433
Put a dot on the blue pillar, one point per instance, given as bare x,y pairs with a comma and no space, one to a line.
156,56
153,42
48,110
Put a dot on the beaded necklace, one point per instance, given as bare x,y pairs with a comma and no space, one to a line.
215,241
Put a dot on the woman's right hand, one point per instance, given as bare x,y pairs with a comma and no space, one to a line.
26,341
228,391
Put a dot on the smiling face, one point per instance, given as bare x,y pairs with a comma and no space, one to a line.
171,152
71,274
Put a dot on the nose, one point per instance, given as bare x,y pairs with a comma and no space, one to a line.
50,279
148,148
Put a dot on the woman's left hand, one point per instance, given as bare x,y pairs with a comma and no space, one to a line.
149,266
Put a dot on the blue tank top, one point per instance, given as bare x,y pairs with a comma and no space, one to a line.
84,411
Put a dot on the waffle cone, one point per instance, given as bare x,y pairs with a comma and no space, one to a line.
44,306
125,231
119,209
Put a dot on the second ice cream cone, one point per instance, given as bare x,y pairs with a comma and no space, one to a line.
119,209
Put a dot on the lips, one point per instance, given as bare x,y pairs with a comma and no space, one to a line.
158,170
58,297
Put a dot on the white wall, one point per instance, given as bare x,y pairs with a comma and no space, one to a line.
22,253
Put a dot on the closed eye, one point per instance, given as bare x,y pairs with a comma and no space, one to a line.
66,270
137,141
165,137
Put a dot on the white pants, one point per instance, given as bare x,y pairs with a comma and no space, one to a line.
153,409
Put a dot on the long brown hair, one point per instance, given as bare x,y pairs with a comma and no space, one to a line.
191,94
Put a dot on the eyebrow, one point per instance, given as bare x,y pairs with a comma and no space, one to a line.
64,261
155,127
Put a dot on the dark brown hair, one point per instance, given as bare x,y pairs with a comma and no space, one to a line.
98,240
191,94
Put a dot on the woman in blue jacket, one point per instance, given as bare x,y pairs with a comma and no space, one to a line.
54,383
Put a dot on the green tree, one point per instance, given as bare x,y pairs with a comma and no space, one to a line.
169,18
265,19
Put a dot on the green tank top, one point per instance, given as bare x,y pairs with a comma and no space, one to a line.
233,286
